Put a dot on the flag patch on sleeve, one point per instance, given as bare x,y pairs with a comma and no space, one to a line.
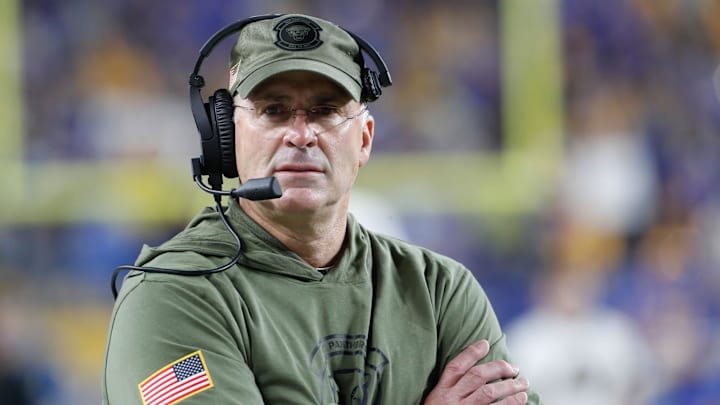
178,380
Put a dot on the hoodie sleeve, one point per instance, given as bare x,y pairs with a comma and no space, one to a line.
171,339
466,316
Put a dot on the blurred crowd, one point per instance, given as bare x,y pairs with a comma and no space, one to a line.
610,291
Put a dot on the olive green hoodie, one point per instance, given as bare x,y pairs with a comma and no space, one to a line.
377,328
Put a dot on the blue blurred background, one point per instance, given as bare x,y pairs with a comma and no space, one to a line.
565,150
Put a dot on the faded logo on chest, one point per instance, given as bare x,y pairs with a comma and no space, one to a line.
347,371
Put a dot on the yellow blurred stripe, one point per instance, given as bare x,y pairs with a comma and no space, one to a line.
532,75
466,183
11,104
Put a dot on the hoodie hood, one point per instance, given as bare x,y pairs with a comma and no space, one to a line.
206,243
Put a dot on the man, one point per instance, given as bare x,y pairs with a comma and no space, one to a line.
317,310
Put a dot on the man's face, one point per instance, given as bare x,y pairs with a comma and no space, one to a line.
315,163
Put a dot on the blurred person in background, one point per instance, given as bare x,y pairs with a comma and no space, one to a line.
605,201
318,309
14,382
670,287
605,356
26,377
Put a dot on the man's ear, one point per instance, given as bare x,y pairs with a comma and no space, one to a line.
368,132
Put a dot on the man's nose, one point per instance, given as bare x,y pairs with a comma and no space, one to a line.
300,132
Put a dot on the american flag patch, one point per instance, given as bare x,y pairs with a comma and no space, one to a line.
171,384
233,74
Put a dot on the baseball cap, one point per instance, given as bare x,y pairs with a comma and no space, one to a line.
294,42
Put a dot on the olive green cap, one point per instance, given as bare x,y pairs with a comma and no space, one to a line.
294,42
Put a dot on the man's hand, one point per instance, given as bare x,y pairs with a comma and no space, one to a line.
462,382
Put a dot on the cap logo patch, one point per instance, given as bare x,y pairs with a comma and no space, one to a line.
297,34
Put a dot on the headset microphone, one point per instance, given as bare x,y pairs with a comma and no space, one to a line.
265,188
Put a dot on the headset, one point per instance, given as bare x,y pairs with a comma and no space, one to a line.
214,121
214,118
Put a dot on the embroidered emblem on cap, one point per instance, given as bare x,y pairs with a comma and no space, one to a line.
297,34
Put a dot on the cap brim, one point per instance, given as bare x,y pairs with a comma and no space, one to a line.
286,65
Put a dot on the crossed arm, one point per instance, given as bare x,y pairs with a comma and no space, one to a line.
464,382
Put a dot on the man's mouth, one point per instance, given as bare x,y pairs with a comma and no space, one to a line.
298,168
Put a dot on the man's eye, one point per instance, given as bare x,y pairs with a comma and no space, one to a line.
274,110
323,110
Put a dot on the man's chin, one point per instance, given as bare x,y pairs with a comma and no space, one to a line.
296,199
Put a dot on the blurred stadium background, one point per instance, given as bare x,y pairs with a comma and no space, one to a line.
565,150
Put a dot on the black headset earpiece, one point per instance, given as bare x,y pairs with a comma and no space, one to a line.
371,89
214,119
224,126
372,81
